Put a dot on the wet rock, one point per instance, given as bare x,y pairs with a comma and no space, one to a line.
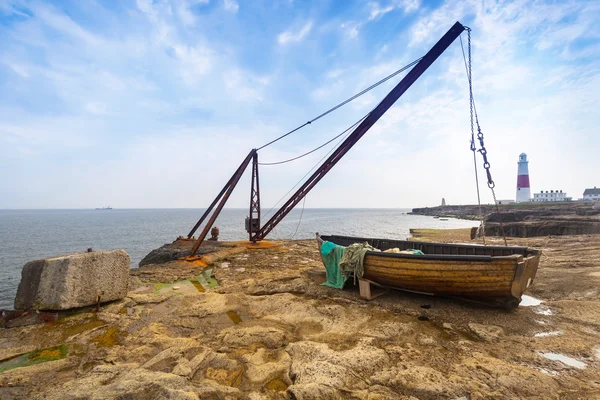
178,249
75,280
487,333
28,318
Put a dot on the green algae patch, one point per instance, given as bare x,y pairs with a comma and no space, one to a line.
207,279
111,337
160,286
86,326
35,357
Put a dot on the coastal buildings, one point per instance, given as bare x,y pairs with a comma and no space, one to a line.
591,194
551,195
523,191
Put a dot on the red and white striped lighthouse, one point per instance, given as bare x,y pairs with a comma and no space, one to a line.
523,191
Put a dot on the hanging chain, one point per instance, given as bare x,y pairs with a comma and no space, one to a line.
482,150
473,147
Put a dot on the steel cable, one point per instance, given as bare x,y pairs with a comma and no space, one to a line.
317,148
343,103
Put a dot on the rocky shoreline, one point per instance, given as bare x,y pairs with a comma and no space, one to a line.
257,324
526,219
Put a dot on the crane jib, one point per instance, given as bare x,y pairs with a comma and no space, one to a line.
366,124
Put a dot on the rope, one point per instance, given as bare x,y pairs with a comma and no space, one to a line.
343,103
317,148
300,220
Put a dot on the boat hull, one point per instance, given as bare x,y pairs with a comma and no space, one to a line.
496,274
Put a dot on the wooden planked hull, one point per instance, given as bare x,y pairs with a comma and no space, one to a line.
493,273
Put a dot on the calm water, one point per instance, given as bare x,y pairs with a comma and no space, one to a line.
31,234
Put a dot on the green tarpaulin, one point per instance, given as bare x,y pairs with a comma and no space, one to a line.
332,254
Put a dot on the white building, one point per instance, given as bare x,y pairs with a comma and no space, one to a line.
591,194
551,195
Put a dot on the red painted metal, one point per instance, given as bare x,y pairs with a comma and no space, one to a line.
362,128
254,213
223,196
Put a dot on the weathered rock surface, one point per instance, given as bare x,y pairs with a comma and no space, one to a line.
232,343
487,333
74,280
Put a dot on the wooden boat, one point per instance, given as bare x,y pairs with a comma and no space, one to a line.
492,274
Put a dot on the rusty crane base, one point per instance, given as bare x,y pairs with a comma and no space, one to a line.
256,232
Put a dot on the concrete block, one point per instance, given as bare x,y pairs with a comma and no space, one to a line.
74,280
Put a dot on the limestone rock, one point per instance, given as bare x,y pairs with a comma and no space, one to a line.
487,333
74,280
419,381
318,368
126,382
268,336
263,366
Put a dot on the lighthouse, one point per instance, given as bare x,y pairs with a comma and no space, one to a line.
523,192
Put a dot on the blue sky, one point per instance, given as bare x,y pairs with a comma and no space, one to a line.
155,103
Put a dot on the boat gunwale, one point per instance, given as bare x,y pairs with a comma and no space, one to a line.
525,252
515,248
441,257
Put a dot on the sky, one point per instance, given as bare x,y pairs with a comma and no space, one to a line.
154,104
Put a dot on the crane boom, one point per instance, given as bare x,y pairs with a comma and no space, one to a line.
361,129
350,141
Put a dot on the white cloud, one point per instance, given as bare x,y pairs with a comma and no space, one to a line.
407,5
19,69
291,36
231,5
377,10
243,86
410,5
351,29
124,107
196,61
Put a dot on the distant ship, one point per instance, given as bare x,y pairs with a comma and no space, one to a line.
104,208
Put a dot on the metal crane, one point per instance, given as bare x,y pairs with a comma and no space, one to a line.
253,226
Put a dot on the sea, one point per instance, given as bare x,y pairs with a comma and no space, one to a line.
27,235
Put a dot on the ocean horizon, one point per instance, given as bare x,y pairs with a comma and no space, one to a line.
30,234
